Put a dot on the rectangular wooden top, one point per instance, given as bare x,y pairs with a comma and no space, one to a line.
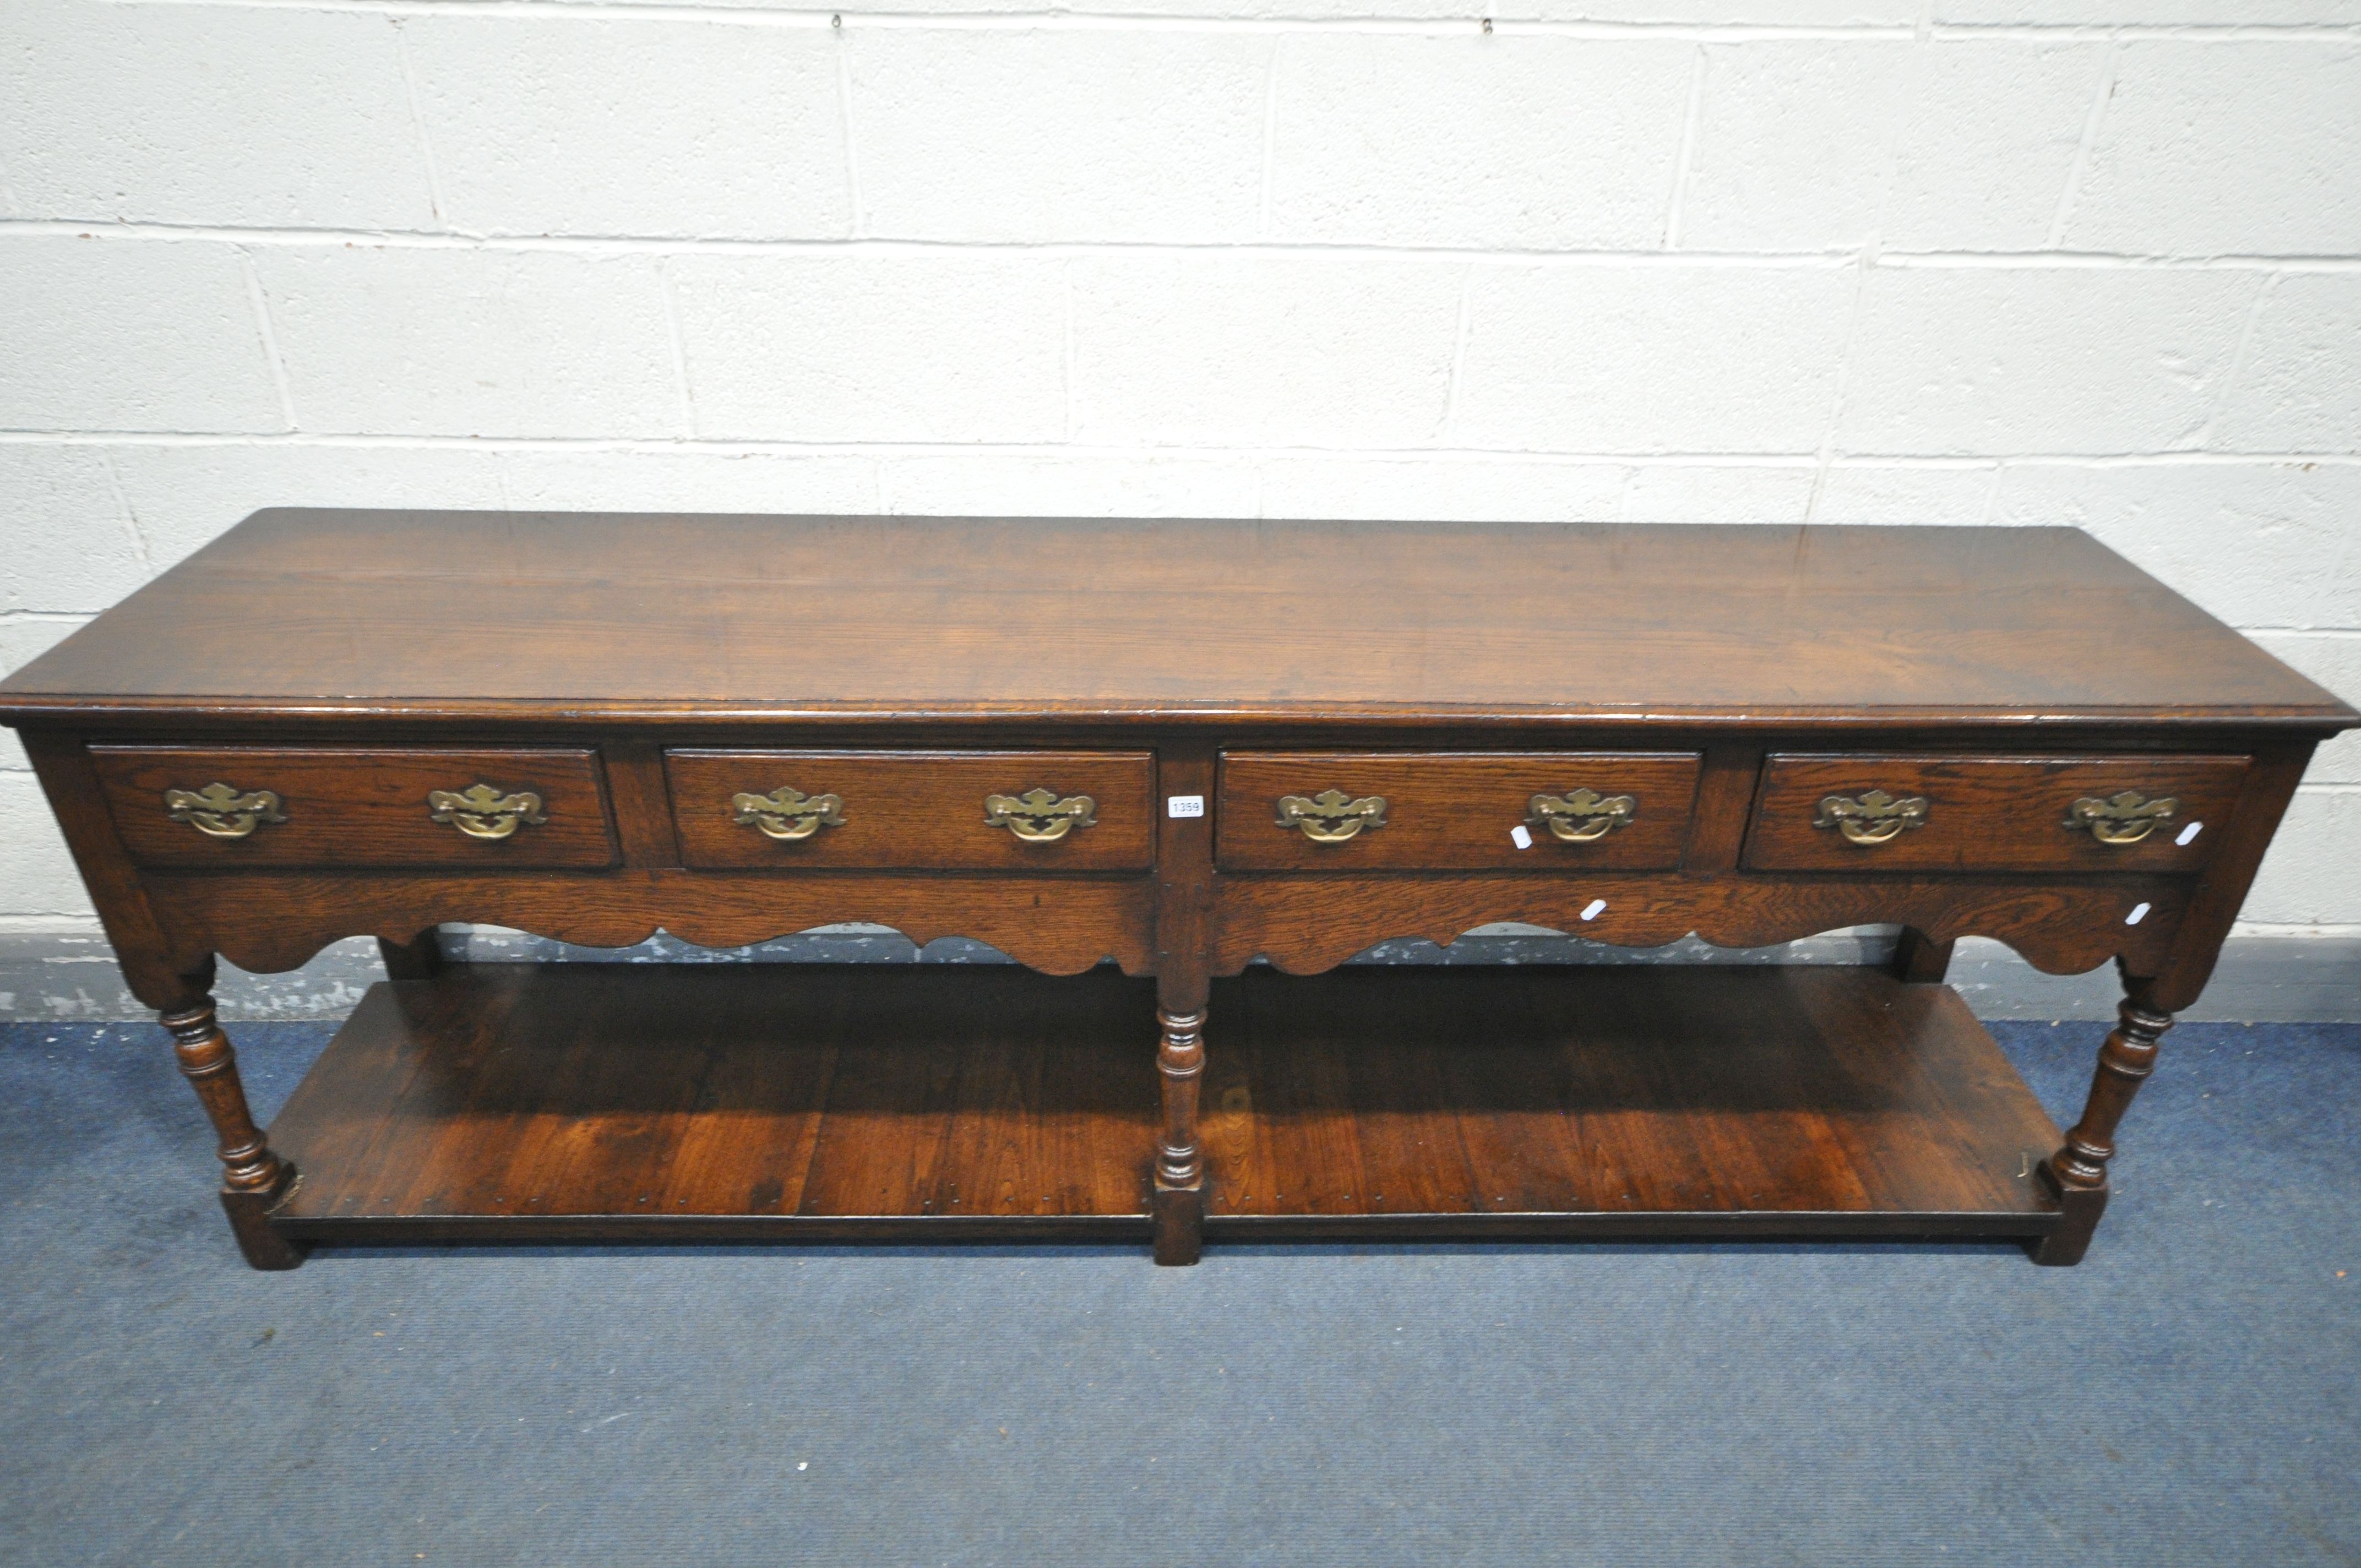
509,616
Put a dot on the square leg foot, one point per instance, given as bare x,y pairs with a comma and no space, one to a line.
2079,1209
249,1222
1180,1219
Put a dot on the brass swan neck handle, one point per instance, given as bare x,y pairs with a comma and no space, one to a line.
2124,818
1873,818
481,811
220,812
1332,816
1040,815
1582,815
787,813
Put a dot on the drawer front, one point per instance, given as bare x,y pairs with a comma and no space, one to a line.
1454,810
1991,814
1080,811
269,805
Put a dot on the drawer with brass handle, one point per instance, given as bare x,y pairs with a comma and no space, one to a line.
941,810
1990,814
1454,810
278,806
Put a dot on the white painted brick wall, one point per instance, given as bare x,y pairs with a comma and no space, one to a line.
2297,390
1195,349
1561,144
1984,262
208,114
2010,360
105,335
936,346
378,340
2232,148
1810,144
37,883
1687,357
630,127
70,542
1024,134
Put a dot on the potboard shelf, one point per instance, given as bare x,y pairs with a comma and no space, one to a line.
788,1102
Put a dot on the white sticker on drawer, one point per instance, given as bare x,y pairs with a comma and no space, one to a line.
2138,914
2189,832
1521,836
1184,805
1594,909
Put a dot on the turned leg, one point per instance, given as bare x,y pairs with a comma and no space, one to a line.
1179,1212
253,1178
2077,1173
421,958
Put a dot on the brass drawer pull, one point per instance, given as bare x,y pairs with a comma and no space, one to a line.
1583,815
1039,815
2126,819
1873,818
482,812
786,814
220,812
1331,816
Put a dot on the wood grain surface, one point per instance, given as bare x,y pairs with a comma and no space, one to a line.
298,614
818,1101
1990,814
1636,1091
268,921
520,1093
1454,810
916,808
358,806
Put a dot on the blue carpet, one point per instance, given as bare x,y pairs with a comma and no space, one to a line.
2190,1395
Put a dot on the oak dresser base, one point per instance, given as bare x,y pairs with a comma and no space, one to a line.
1179,771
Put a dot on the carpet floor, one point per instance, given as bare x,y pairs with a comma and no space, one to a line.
2190,1395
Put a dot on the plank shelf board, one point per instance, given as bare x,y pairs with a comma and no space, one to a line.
518,1102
